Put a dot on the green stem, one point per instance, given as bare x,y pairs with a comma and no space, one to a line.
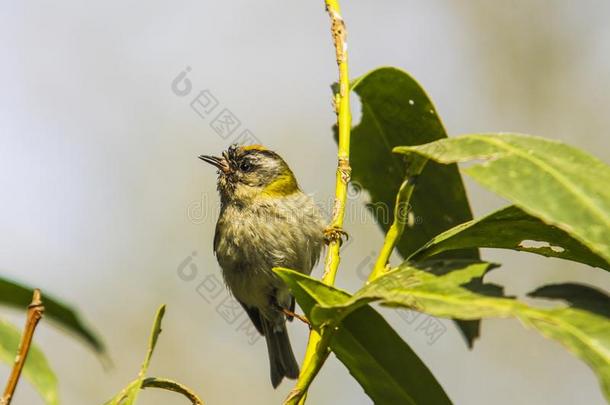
401,217
315,356
317,346
170,385
344,122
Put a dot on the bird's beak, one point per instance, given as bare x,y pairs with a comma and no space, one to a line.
219,162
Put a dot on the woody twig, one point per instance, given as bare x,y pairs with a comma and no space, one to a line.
35,311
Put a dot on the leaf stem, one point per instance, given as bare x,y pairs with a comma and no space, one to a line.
317,346
402,208
170,385
35,311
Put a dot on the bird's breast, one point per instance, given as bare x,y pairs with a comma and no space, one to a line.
284,232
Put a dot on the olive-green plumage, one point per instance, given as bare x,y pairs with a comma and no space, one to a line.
265,221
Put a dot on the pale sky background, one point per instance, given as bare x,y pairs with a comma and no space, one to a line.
98,170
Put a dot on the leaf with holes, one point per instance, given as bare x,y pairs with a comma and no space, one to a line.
439,288
397,111
561,185
512,228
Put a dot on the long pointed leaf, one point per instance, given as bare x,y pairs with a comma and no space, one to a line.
439,290
130,393
512,228
386,367
19,296
563,186
397,111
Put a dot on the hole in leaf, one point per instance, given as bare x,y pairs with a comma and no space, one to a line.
536,244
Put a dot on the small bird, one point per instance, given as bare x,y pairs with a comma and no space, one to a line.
265,221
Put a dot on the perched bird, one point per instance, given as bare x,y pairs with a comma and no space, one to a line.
265,221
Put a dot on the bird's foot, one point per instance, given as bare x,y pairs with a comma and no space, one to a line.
334,233
301,318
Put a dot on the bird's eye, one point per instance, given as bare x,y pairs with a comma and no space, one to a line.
245,166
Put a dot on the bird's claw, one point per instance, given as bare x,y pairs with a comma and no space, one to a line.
292,314
334,233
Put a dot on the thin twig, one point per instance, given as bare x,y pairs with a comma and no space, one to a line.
293,314
35,311
317,346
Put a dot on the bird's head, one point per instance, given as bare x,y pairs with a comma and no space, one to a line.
249,172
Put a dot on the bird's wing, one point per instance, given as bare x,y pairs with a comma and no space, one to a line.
216,238
255,317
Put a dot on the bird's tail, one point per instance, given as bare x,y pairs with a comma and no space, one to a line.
281,358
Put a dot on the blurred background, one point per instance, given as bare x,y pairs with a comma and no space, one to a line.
105,204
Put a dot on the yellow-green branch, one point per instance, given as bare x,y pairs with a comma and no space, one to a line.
317,347
315,356
344,122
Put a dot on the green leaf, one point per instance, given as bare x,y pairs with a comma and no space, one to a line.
557,183
170,385
512,228
577,295
19,296
397,111
155,382
129,394
439,289
386,367
36,369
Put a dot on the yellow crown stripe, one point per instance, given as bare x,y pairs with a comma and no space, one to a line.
254,147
